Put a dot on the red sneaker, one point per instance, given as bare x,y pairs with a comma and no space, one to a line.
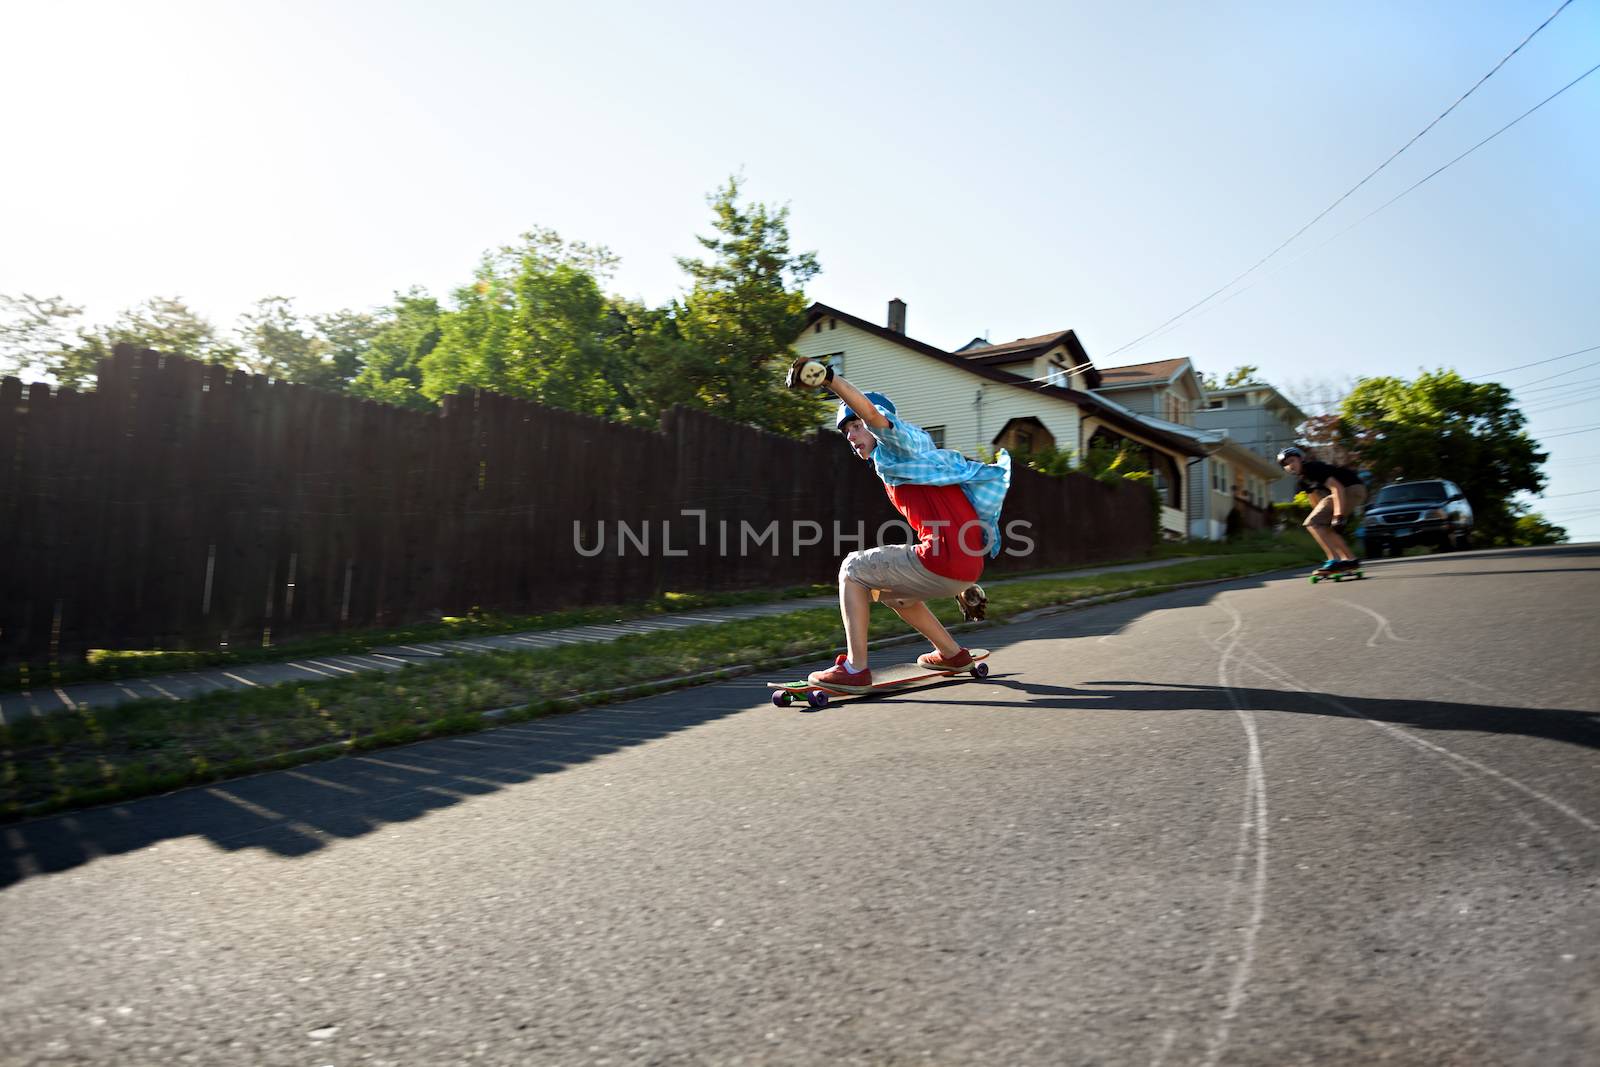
837,677
935,661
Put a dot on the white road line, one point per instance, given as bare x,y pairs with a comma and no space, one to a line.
335,666
1439,750
1253,831
310,670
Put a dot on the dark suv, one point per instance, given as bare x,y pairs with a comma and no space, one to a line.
1402,514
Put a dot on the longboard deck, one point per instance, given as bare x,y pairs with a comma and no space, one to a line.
1338,576
892,678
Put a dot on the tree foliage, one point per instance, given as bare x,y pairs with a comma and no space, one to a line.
535,321
406,333
725,346
37,337
535,324
1443,426
168,325
1534,529
1244,374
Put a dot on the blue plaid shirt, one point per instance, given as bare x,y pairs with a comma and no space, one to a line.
906,455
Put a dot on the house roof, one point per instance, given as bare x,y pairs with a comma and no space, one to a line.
1023,348
1114,414
1161,372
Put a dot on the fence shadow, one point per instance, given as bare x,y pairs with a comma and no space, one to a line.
302,811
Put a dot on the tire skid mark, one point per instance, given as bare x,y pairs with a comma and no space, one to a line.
1383,623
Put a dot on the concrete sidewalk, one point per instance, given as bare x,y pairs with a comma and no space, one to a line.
184,685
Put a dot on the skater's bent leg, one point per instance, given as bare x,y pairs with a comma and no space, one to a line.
921,618
1319,534
1336,544
855,604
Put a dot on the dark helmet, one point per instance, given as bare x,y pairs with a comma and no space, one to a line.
845,414
1284,454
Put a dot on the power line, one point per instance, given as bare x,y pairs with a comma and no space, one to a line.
1415,185
1535,363
1252,268
1557,496
1569,433
1560,374
1547,388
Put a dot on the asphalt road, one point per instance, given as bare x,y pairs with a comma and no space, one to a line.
1252,823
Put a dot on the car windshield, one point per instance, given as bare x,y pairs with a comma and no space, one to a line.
1410,494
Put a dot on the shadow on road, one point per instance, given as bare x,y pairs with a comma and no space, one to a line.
300,812
1571,727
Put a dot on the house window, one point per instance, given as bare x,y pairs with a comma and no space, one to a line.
1058,375
834,360
937,433
833,324
818,328
1213,405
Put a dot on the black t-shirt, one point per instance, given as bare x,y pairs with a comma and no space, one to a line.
1314,474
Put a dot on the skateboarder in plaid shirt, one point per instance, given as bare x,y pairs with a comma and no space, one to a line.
953,504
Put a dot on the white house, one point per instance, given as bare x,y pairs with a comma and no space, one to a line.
1024,395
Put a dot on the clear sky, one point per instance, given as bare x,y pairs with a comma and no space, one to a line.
1005,168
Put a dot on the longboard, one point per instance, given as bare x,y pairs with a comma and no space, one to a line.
786,693
1337,576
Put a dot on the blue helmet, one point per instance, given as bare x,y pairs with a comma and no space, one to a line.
845,414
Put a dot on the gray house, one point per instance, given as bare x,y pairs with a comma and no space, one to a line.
1258,417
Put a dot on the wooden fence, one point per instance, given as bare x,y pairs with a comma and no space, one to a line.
180,505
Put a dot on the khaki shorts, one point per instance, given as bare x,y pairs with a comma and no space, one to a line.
1322,514
896,575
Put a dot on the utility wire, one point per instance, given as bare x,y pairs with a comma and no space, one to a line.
1535,363
1569,433
1560,374
1418,136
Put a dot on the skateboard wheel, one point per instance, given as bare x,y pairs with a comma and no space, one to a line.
981,670
781,698
817,699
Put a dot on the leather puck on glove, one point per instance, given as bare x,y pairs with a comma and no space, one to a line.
813,374
808,374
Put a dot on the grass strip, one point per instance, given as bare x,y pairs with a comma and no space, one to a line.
74,759
111,664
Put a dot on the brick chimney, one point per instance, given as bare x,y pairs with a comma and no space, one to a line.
897,315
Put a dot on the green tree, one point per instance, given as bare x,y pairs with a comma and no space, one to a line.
348,336
1534,529
1443,426
1244,374
167,325
279,343
725,346
533,323
39,337
407,332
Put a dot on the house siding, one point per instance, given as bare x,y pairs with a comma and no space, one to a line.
930,393
1256,427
